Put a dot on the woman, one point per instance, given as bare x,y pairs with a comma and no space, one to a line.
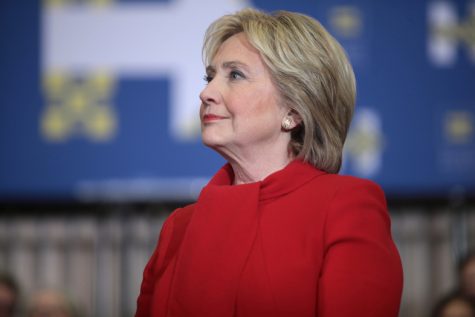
276,232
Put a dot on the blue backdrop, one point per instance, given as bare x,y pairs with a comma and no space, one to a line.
100,101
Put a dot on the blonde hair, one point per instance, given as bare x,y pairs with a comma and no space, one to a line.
310,70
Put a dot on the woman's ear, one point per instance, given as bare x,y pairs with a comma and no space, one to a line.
291,120
295,117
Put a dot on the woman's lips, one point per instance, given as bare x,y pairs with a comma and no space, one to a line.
212,117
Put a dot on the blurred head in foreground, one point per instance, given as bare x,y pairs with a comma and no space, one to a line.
466,275
9,295
454,305
51,303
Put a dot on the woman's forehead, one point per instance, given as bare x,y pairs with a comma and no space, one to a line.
236,51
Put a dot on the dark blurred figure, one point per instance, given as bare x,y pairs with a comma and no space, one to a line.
9,295
454,305
51,303
466,275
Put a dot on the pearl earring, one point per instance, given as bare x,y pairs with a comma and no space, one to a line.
287,123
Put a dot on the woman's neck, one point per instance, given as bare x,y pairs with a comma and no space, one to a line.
250,171
254,162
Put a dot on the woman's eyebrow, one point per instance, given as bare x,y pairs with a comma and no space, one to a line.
210,69
235,64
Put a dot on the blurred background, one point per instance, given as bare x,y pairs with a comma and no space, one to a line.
99,135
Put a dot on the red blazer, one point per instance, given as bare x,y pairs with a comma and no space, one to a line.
300,243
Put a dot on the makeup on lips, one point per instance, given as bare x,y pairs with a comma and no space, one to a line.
212,117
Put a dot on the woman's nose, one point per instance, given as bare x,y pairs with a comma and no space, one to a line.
210,93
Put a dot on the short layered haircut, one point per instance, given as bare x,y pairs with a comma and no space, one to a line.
310,70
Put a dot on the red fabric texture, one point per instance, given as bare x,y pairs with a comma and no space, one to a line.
299,243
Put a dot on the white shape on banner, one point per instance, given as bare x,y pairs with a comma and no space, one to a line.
447,32
365,143
140,39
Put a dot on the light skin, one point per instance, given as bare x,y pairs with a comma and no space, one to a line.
457,308
468,278
241,116
49,303
7,300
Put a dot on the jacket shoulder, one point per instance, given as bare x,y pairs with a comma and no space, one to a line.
337,182
182,214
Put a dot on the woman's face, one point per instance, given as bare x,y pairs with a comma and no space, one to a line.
240,109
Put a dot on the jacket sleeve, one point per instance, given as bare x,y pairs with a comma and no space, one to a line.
152,269
362,272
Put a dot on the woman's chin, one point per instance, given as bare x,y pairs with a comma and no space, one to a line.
210,141
216,144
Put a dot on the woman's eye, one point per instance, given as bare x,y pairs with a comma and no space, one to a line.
236,75
207,78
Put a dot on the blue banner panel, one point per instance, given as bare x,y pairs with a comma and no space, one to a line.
99,99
